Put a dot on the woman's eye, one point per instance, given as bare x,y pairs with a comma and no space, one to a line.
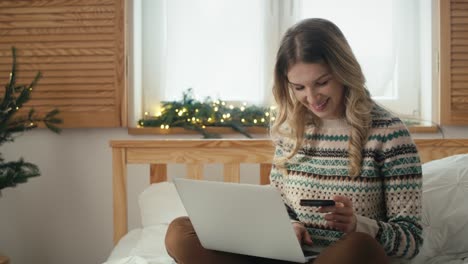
298,88
322,83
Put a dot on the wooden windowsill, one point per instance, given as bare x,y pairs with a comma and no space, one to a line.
227,130
423,129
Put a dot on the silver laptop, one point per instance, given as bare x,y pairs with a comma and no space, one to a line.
241,218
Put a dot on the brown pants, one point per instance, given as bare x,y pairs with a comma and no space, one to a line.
183,245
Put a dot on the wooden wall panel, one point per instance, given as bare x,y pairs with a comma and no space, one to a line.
454,62
79,48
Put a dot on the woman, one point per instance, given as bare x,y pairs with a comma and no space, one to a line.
333,142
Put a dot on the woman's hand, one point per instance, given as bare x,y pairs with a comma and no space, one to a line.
301,233
341,216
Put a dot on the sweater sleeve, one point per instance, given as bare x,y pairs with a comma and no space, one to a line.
277,177
401,234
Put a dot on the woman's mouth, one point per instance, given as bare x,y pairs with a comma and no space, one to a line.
319,107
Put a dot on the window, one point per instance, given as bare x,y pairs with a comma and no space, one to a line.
226,49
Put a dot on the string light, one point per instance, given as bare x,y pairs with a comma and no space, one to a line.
191,114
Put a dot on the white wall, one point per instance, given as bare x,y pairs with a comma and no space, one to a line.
65,215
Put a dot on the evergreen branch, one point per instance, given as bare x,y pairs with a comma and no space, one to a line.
15,172
195,115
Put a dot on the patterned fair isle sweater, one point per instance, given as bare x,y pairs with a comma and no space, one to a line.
386,196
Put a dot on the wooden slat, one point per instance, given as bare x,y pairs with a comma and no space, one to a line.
44,67
59,45
70,102
265,169
59,52
119,187
459,49
460,91
50,3
75,87
158,173
231,172
431,149
57,10
54,38
64,80
195,171
55,24
71,95
56,16
190,155
62,73
80,31
62,59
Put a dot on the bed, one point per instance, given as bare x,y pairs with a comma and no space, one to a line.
445,187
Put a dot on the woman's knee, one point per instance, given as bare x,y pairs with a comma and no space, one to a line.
177,232
355,247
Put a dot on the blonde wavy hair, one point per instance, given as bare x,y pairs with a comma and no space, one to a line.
320,41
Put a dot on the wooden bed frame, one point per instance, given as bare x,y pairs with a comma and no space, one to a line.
228,152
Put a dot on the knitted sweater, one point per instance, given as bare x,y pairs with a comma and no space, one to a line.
386,196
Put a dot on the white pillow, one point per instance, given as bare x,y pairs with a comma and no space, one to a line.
160,204
445,206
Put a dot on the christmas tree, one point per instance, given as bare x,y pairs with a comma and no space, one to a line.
12,122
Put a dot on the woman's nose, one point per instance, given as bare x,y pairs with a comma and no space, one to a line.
311,94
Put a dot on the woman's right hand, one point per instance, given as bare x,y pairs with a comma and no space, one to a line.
301,233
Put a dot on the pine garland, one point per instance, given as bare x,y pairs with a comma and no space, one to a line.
195,115
11,123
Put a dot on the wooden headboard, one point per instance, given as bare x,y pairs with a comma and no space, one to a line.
228,152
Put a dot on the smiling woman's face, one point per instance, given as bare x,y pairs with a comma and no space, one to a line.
315,87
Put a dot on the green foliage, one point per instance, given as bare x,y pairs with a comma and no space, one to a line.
195,115
14,98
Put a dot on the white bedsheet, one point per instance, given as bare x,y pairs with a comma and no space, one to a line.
141,246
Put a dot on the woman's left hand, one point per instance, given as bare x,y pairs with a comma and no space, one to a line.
341,216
